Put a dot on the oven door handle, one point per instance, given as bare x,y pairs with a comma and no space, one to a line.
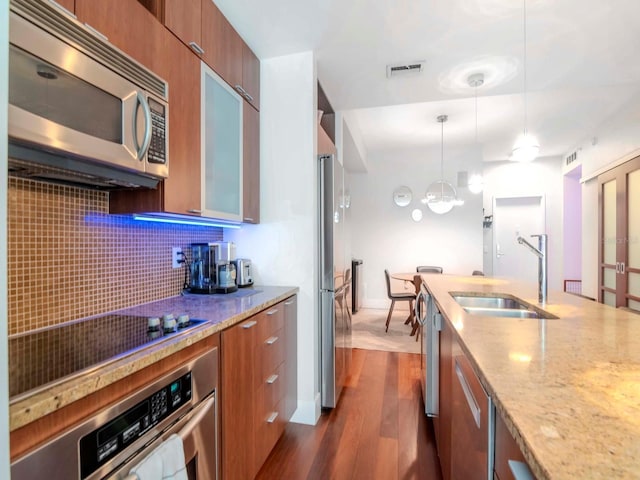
184,432
206,406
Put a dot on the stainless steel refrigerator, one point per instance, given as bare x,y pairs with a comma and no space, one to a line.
335,286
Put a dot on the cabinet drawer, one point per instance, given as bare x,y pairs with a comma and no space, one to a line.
274,386
272,353
268,430
271,320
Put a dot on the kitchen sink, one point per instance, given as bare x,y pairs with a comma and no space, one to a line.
499,305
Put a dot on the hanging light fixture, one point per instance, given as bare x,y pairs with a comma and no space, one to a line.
526,147
441,197
475,183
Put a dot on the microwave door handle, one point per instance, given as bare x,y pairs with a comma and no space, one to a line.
142,149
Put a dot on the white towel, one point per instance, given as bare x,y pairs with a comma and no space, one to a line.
166,462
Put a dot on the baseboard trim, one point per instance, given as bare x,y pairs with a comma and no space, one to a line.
308,413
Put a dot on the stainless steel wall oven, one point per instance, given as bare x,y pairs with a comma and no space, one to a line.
109,444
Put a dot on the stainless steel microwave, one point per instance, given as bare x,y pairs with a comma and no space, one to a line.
80,110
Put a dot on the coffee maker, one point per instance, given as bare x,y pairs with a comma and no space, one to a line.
203,272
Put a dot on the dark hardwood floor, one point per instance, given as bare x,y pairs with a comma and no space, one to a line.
378,431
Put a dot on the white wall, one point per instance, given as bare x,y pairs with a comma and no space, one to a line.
283,247
4,367
615,141
385,237
542,176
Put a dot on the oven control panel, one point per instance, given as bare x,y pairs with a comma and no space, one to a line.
116,434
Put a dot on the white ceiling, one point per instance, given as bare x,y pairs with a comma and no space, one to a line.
583,64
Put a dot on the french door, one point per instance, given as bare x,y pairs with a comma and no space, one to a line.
619,236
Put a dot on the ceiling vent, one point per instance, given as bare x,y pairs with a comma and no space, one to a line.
404,69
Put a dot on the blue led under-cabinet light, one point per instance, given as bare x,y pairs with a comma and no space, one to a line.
185,221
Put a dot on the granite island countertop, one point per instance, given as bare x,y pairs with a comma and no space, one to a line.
220,311
567,388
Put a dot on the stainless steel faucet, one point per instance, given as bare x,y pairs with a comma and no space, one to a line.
541,253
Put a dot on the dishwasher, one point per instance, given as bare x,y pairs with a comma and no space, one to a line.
109,444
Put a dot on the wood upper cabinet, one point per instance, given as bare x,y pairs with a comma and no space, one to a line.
251,76
180,193
182,17
138,33
222,45
251,165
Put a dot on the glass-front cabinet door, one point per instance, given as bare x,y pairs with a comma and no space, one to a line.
619,253
221,136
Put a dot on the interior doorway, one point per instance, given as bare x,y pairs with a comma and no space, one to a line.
512,217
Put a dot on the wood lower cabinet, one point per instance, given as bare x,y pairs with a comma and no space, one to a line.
509,460
255,388
442,423
251,165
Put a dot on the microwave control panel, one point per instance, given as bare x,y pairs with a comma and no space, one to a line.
158,146
117,434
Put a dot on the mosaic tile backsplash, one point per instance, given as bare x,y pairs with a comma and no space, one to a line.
70,259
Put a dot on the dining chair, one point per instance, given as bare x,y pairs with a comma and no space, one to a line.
428,269
397,297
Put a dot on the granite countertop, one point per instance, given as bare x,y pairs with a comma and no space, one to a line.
219,310
567,388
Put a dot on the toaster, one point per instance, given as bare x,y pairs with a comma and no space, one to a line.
244,277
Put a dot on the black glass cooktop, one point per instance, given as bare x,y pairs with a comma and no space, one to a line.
43,357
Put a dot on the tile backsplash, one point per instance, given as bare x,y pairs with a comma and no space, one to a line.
70,259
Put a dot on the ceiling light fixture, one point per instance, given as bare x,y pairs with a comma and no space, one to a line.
526,147
475,183
441,197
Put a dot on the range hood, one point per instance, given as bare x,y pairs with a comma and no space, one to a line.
31,162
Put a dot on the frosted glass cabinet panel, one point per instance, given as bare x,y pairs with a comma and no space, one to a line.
221,136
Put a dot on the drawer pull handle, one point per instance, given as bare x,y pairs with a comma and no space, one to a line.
249,324
471,401
194,210
272,379
290,302
271,340
520,470
272,312
249,219
272,417
196,48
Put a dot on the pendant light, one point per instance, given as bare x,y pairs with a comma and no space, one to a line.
526,147
441,197
475,182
